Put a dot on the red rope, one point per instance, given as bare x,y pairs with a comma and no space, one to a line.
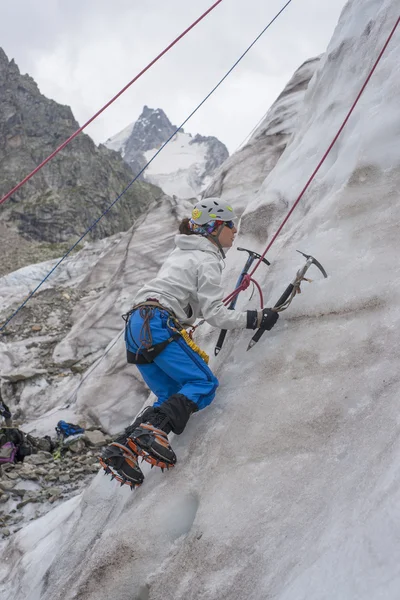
240,288
57,150
243,286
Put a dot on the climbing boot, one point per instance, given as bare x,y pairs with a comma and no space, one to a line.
122,464
119,461
150,441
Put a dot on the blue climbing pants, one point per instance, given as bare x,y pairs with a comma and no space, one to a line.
177,369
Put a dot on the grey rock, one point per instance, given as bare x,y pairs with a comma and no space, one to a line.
29,473
18,492
78,471
13,475
41,472
42,458
53,491
77,445
26,501
95,438
52,499
6,486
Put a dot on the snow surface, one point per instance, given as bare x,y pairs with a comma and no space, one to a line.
287,486
117,142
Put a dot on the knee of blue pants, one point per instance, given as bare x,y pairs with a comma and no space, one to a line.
207,399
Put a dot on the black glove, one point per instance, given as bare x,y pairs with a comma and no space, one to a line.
264,319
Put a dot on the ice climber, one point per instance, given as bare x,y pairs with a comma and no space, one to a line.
187,287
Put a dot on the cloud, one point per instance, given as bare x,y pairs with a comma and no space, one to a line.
81,53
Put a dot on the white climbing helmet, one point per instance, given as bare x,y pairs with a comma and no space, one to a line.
211,209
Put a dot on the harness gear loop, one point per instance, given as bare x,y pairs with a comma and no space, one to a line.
187,336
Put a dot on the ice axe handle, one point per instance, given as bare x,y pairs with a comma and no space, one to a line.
223,332
281,300
251,258
220,341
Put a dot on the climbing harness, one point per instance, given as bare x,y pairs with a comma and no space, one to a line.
147,351
250,259
292,289
93,225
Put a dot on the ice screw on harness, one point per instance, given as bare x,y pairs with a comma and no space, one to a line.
251,258
292,289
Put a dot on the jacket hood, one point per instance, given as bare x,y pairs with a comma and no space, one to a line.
196,242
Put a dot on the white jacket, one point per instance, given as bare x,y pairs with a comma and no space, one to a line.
189,284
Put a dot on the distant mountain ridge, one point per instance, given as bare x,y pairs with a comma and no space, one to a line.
186,164
74,188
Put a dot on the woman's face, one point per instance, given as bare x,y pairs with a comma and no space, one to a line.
227,236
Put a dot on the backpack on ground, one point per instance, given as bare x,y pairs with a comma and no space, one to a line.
13,445
8,453
64,429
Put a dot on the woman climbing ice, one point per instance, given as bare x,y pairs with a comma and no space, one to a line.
187,287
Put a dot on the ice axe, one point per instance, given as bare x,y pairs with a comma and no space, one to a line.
292,289
250,259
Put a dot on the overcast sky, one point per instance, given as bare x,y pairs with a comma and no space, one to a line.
82,52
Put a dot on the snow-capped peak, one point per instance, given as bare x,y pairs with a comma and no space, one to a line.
185,166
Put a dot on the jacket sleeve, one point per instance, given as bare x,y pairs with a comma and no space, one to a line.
210,295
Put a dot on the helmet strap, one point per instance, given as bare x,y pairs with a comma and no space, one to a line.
215,239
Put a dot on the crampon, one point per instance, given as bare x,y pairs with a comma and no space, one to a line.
122,464
153,446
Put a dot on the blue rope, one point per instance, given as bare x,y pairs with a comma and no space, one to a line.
93,225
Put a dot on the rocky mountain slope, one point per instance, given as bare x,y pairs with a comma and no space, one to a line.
186,164
72,190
